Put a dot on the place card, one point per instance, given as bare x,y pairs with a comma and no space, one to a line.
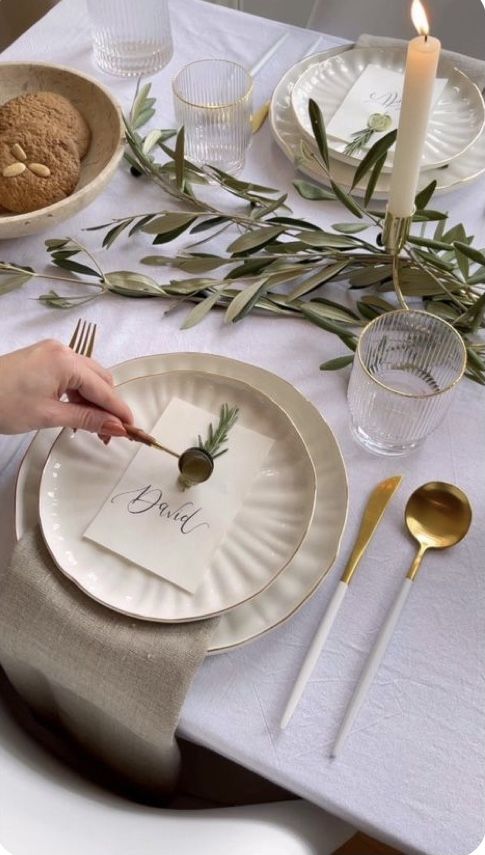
377,90
151,521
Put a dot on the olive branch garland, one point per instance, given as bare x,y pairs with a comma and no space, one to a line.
277,263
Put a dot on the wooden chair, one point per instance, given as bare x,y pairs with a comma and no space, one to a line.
16,16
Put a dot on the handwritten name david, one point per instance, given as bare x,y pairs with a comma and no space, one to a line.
149,498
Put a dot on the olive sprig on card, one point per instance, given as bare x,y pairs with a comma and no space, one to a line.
197,464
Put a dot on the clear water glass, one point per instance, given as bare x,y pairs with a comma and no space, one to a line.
405,372
131,38
212,99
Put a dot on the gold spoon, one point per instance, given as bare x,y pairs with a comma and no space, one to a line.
438,515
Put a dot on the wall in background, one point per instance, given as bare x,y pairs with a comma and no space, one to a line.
289,11
460,24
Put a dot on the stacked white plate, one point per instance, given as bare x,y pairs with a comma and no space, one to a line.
280,545
455,145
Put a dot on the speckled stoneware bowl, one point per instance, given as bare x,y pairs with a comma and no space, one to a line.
103,115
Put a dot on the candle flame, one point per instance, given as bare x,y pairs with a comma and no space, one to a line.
419,17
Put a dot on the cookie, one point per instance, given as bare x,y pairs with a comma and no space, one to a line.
36,170
46,111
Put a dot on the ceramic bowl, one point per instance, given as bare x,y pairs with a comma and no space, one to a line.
103,115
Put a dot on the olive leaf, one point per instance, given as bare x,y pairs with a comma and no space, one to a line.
12,281
321,320
463,262
374,178
319,278
350,228
142,109
425,195
179,158
471,253
371,276
243,300
168,222
313,191
151,140
375,153
337,364
132,284
318,128
347,200
198,313
255,239
325,239
114,233
212,222
74,266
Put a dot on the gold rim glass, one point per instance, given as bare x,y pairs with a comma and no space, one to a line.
407,364
212,101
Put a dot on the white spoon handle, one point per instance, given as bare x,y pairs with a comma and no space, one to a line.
371,666
314,651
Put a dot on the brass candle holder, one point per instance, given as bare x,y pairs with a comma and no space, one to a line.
396,232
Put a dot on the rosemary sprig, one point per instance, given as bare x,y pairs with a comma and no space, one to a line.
376,123
359,140
218,436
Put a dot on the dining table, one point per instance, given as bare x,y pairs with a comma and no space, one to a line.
412,772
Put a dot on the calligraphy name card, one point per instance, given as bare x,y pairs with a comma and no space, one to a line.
150,521
377,90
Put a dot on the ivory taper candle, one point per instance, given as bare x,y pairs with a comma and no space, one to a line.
421,65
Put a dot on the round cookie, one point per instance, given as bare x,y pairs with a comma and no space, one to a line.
36,170
46,112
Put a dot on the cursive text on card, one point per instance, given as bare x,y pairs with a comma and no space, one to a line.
390,100
144,499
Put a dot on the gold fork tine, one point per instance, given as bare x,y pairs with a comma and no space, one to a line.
74,336
91,338
83,337
80,336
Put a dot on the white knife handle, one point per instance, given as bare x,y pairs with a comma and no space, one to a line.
371,666
314,651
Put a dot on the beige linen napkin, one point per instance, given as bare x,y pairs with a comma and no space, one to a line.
473,68
114,684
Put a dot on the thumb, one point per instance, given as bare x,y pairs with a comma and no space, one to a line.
86,417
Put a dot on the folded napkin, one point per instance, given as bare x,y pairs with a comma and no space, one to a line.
472,67
114,684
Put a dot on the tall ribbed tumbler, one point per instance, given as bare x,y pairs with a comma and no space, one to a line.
131,38
212,99
406,369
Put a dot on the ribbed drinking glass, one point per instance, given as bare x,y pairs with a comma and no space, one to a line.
131,38
212,99
406,369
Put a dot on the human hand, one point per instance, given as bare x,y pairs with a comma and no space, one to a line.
33,379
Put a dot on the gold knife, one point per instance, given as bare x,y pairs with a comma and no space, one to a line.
374,510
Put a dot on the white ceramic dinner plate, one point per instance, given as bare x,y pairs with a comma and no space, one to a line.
288,135
455,123
80,473
300,578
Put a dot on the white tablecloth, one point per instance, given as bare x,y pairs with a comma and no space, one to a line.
413,770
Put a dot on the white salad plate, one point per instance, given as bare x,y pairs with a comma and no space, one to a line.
288,135
319,548
456,122
80,473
